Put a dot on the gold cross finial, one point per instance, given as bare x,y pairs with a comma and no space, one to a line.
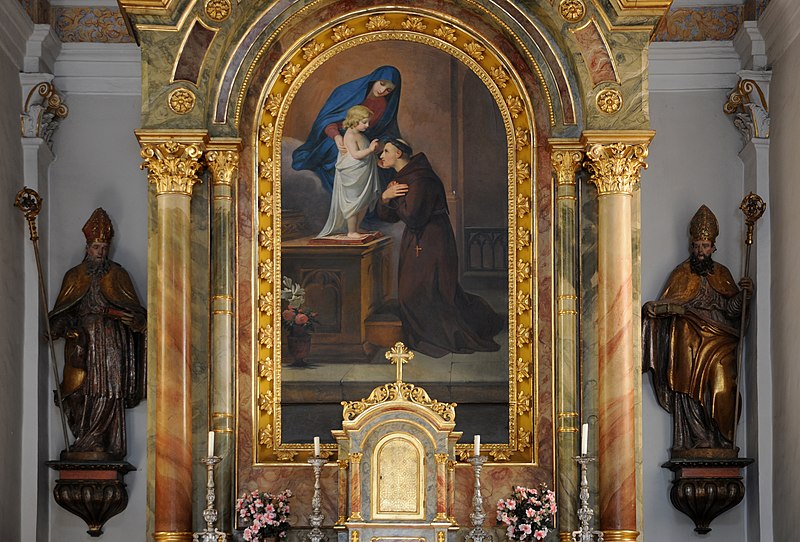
399,355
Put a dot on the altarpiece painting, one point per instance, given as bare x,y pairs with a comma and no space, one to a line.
459,101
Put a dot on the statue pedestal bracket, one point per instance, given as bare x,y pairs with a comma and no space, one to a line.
703,488
92,490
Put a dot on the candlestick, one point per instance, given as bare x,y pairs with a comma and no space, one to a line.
585,512
316,517
210,444
585,439
477,533
477,446
210,533
316,446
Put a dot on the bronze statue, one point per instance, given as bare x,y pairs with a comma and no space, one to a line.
99,314
690,339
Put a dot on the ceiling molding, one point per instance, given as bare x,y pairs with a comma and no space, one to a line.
682,66
95,68
17,28
780,26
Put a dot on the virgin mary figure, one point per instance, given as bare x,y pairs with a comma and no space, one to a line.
379,91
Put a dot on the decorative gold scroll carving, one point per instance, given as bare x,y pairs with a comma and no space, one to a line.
399,391
172,166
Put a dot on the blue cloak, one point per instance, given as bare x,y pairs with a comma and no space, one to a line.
319,152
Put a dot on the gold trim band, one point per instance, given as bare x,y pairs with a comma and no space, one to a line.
172,536
620,536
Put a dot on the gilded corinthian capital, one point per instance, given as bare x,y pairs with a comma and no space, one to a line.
172,161
223,160
566,156
615,166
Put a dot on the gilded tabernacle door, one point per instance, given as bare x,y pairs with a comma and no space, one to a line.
347,265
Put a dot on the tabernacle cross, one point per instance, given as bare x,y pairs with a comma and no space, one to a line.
399,355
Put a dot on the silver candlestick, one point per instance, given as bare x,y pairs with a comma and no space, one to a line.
316,517
585,513
210,533
477,533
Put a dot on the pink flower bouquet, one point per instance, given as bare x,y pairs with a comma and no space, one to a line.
528,514
264,515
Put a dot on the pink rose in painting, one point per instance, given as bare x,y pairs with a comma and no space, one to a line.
288,315
301,319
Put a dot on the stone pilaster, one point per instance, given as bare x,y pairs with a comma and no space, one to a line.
566,158
222,157
173,160
615,160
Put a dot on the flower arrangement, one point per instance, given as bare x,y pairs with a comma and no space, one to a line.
295,315
528,514
265,514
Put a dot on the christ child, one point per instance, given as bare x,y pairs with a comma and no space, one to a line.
356,184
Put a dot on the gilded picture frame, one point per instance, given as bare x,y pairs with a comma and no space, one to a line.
298,71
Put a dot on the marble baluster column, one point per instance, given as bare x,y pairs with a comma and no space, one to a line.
355,486
615,160
441,487
342,464
173,160
566,157
223,162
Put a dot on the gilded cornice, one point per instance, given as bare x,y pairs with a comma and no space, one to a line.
172,159
615,159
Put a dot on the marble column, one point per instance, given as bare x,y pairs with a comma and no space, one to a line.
566,157
342,464
615,160
172,160
223,163
355,486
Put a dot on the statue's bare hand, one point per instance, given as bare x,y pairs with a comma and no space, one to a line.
649,309
747,286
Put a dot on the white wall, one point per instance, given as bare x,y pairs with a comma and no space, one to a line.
780,24
12,302
693,160
97,165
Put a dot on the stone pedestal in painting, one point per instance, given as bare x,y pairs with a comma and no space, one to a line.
703,488
345,285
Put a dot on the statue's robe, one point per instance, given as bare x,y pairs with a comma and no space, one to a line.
438,316
104,366
693,356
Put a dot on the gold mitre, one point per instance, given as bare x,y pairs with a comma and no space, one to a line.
704,225
98,228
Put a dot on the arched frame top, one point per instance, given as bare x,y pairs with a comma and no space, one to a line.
539,51
505,85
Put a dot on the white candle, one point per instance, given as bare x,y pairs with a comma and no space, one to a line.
585,439
477,450
210,443
316,446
